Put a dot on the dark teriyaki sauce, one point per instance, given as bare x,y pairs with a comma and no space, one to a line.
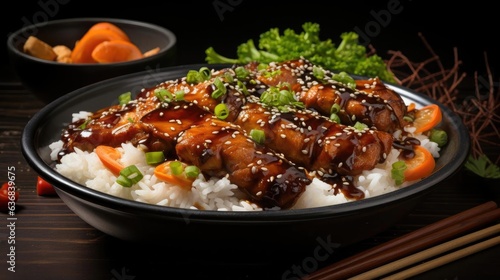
405,147
343,184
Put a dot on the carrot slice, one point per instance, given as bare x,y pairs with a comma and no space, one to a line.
164,173
427,118
82,52
420,166
111,27
116,51
410,107
109,157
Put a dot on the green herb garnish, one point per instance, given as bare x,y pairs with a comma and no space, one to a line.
349,56
281,97
258,135
129,175
124,98
483,167
397,172
221,111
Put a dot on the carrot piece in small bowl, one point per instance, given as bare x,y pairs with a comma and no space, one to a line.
116,51
111,27
82,52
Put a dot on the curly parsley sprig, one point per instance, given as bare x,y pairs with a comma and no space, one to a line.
348,56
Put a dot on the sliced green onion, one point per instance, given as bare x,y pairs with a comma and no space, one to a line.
344,78
205,73
241,86
360,126
217,93
124,182
281,98
335,118
228,77
397,172
221,88
221,111
193,77
129,175
262,66
408,118
155,157
271,74
438,136
335,108
258,135
84,124
176,167
199,76
125,98
192,171
179,95
241,72
163,94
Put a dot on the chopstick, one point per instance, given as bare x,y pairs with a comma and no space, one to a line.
445,259
422,238
434,251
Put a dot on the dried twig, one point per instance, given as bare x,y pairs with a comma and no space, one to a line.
479,111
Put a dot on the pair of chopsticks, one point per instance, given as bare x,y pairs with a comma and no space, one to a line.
399,253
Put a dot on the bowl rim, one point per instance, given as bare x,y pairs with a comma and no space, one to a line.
29,150
11,46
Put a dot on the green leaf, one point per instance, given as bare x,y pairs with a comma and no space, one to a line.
483,167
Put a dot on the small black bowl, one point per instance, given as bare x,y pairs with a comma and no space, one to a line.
266,232
49,80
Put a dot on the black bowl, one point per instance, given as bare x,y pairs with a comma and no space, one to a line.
331,226
49,80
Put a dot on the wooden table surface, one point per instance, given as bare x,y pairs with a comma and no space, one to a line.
51,242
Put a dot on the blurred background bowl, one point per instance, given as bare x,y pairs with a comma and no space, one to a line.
49,80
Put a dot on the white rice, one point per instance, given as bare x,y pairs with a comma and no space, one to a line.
215,193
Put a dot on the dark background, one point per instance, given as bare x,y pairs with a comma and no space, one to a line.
224,24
